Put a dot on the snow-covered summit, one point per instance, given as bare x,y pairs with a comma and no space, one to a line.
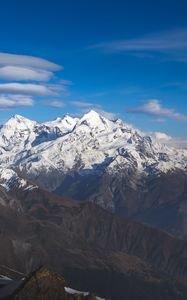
94,120
15,131
65,124
17,122
91,143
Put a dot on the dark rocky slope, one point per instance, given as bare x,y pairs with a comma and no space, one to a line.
94,249
159,200
40,284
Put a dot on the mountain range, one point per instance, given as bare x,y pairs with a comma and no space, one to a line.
95,250
94,159
96,201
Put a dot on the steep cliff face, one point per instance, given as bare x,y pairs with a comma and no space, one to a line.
94,249
158,201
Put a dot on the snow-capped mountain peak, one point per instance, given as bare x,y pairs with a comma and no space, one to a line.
95,120
18,122
91,143
16,130
65,124
19,117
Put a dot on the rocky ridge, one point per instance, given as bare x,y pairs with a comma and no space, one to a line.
98,160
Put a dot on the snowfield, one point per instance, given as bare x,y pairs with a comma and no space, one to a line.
85,145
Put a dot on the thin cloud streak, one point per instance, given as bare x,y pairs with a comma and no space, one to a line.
169,42
7,59
27,68
11,101
20,72
26,89
24,73
82,104
57,104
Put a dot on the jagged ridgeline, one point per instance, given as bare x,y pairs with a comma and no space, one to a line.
95,159
93,249
112,171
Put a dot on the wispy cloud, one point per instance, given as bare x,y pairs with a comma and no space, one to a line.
7,59
166,139
82,104
172,43
11,101
26,89
38,75
180,85
24,73
54,104
154,108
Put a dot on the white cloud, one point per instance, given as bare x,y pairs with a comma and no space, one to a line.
18,68
154,108
163,138
26,89
172,42
24,73
54,103
179,143
7,59
10,101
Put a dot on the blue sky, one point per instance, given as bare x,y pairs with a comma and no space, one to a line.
127,58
